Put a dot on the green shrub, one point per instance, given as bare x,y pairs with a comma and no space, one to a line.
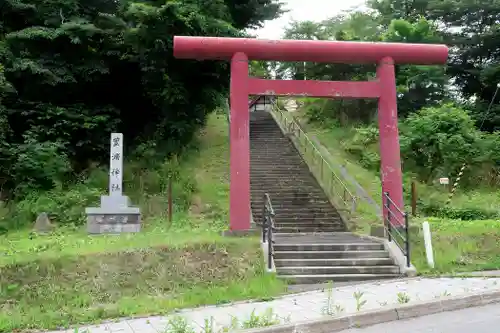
33,165
65,207
458,213
363,146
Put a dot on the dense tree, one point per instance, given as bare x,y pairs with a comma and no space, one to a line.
441,108
72,71
471,28
418,85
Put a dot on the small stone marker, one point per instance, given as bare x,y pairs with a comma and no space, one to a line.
42,224
115,214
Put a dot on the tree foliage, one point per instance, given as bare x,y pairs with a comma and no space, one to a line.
437,135
72,71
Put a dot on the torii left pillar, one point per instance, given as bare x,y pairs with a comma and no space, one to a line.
239,203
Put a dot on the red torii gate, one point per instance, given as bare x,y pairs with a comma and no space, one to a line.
240,50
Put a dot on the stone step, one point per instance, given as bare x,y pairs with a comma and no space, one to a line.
310,229
333,262
278,166
277,158
281,195
320,278
303,226
262,137
288,177
304,213
275,161
301,185
327,208
324,238
305,222
329,247
258,199
289,199
306,218
314,224
290,191
282,225
258,212
284,207
322,270
330,254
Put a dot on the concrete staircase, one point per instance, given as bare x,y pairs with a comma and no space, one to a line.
312,244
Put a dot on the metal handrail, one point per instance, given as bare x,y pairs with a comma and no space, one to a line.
334,183
394,229
268,228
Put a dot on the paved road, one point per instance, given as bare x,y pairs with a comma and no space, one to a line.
484,319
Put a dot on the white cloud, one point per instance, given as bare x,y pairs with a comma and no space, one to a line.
301,10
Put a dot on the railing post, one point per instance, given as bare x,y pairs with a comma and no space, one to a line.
407,230
321,169
353,205
264,219
270,241
388,218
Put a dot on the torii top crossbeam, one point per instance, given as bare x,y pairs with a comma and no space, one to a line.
201,48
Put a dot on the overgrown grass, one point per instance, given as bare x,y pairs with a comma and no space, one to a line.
69,277
459,246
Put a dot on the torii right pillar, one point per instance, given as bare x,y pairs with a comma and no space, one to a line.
390,157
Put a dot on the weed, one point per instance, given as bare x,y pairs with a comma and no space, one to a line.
403,298
360,302
445,293
329,295
330,308
268,318
178,324
209,325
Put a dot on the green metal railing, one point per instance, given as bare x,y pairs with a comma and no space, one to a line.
331,183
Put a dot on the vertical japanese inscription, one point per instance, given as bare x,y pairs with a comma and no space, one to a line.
116,164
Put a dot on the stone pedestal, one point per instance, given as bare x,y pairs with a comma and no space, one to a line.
114,216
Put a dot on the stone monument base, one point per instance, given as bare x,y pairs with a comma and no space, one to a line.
113,219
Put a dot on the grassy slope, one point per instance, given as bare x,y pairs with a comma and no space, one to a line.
69,277
458,245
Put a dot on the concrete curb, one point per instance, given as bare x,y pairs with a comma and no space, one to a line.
373,317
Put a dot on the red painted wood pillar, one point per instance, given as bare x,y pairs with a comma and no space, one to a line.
239,200
390,155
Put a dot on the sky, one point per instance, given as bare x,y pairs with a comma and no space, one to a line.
301,10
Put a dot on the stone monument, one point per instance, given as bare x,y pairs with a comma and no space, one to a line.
42,224
115,215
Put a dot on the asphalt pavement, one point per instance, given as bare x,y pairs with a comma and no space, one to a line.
485,319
